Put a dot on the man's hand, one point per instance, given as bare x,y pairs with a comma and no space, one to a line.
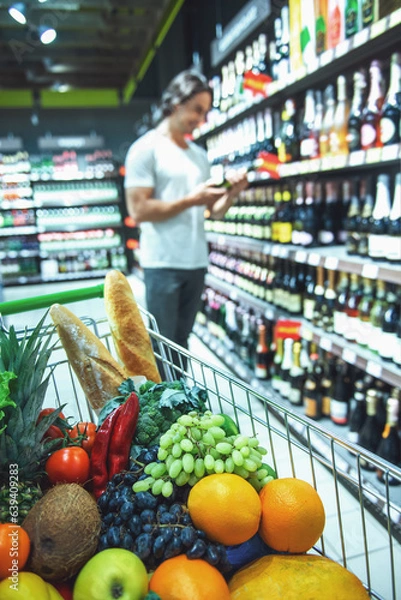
206,194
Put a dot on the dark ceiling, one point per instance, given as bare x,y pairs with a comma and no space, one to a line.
99,44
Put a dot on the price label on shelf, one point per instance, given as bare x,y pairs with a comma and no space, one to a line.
267,249
373,155
307,333
283,253
370,271
313,259
342,48
395,17
390,152
275,250
378,28
326,344
356,158
361,37
331,263
327,163
300,256
374,369
233,295
349,356
221,240
327,57
339,162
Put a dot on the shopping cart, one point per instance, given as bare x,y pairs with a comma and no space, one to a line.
363,521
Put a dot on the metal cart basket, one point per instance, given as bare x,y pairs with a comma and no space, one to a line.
363,522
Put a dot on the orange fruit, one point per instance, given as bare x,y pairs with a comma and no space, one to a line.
293,515
181,578
295,577
226,507
15,546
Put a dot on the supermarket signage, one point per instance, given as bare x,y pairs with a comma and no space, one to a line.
10,144
287,328
88,142
242,25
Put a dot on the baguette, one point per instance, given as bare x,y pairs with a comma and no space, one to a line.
98,373
131,339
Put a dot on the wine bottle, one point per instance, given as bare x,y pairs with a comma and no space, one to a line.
317,319
309,296
389,447
312,392
262,351
284,60
286,367
342,389
276,379
317,124
339,129
306,137
387,343
244,352
367,202
352,18
352,308
223,182
364,329
295,290
328,118
328,233
285,217
309,218
327,383
357,412
335,29
355,116
376,316
353,235
391,110
370,433
328,304
268,144
380,219
340,316
370,130
296,376
289,142
369,12
393,239
345,205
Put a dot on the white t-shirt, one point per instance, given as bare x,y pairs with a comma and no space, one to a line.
154,161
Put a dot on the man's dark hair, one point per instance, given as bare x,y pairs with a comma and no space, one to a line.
182,88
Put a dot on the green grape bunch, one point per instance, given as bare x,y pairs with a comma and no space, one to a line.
195,446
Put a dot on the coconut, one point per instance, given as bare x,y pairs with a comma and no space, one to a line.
64,528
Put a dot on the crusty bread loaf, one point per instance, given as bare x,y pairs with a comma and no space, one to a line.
131,339
98,372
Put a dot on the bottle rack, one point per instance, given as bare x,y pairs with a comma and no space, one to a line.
378,39
343,456
60,219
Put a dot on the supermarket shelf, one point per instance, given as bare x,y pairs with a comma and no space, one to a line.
72,227
353,354
331,257
34,279
345,459
23,230
369,42
76,176
19,254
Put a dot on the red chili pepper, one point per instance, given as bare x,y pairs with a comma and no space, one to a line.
100,452
122,435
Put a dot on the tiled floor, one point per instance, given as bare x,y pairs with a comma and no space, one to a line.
352,536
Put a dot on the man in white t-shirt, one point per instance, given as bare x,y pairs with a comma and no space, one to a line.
167,193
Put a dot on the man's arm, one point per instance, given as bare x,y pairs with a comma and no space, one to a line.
143,207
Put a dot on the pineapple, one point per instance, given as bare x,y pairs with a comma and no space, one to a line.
23,451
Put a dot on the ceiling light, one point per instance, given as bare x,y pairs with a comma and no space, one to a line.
17,12
47,35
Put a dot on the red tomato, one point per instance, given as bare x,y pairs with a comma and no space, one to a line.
64,589
68,465
53,432
88,430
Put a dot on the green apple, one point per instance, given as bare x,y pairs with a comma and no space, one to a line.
112,573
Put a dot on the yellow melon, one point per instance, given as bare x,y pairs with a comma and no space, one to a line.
295,577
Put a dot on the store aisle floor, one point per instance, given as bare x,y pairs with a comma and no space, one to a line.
365,537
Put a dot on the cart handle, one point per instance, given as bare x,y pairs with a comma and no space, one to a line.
22,305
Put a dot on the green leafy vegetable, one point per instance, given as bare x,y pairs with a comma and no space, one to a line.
5,400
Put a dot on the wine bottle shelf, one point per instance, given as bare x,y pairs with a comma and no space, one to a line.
332,257
20,230
372,40
344,459
352,354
